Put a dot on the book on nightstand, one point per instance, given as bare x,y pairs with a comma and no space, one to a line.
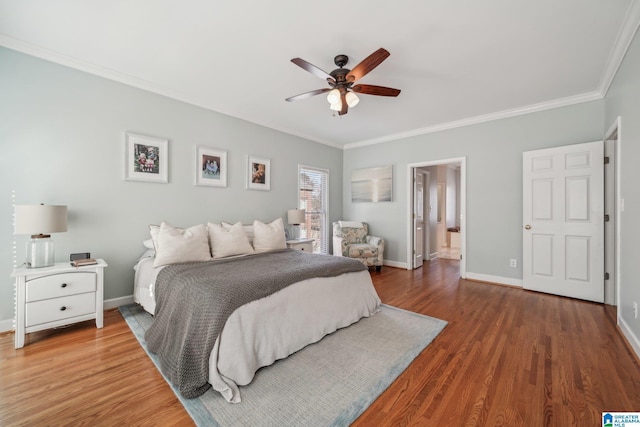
83,262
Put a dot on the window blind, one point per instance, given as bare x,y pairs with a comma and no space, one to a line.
313,190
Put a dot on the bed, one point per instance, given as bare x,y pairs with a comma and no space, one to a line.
257,333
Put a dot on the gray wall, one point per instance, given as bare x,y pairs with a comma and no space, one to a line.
494,180
62,141
623,99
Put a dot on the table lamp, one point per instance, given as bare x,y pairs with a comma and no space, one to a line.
296,217
38,221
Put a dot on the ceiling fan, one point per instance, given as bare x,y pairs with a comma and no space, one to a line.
342,90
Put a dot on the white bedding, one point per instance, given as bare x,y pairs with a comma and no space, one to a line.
263,331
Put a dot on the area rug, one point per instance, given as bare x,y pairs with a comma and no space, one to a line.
329,383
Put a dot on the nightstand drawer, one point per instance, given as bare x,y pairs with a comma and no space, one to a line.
59,285
54,309
306,247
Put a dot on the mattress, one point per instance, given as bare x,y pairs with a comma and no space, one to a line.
263,331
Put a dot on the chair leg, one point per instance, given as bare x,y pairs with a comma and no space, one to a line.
378,268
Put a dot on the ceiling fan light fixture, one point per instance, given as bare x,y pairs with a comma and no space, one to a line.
352,99
333,96
336,106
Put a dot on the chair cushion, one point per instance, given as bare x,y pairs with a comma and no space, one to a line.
362,250
354,235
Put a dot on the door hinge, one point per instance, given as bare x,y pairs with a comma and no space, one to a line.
606,160
606,276
606,218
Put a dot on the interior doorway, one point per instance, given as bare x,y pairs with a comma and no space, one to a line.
442,203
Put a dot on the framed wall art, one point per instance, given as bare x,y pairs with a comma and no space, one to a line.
258,173
211,167
372,184
146,158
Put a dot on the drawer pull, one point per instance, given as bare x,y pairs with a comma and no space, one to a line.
64,285
63,308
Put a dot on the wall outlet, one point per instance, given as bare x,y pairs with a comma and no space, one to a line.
513,262
635,310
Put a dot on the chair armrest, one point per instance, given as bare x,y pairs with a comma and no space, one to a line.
339,246
375,240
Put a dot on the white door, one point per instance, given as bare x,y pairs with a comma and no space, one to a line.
563,213
418,218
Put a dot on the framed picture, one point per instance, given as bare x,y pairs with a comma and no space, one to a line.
211,167
372,184
146,158
258,174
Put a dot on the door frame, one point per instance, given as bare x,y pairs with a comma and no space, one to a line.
616,129
463,208
425,222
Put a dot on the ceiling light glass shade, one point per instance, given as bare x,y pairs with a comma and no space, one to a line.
333,96
352,99
337,106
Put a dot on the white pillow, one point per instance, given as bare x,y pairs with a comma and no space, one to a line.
176,245
153,232
248,229
269,237
148,243
227,242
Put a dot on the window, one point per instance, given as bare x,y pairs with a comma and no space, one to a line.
313,190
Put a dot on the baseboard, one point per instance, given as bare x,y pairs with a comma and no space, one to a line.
396,264
7,324
117,302
628,334
494,279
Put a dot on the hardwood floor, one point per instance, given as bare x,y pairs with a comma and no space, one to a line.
507,357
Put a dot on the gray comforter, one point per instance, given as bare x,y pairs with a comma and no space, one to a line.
194,300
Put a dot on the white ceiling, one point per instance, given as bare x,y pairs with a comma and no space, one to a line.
456,61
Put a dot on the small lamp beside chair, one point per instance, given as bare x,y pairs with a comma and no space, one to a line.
295,217
39,221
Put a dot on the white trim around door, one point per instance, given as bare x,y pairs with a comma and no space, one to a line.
462,161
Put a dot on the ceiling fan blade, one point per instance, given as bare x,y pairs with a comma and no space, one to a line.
308,94
343,100
368,64
376,90
312,69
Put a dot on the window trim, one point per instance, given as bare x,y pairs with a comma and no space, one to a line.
327,233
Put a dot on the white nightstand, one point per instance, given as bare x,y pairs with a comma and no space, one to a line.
301,245
58,295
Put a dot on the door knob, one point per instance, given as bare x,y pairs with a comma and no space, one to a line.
527,227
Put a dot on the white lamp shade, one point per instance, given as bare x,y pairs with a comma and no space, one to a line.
295,216
40,219
352,99
333,97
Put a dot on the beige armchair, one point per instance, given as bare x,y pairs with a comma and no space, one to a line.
351,239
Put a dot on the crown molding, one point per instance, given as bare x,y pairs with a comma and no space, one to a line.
562,102
621,46
76,64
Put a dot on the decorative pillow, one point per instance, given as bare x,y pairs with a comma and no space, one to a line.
227,242
153,232
176,245
269,237
148,244
248,229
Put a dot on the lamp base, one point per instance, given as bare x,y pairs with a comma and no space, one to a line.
40,251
